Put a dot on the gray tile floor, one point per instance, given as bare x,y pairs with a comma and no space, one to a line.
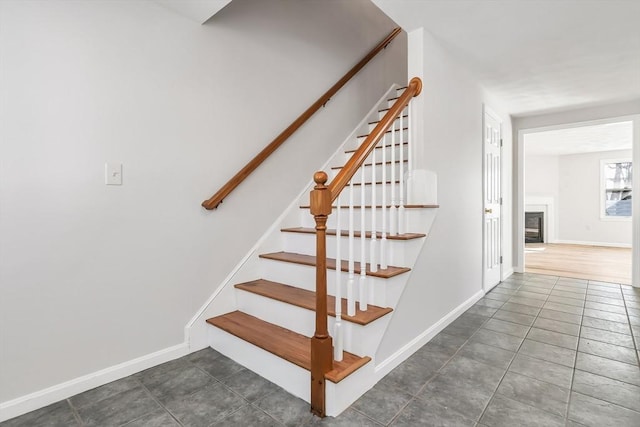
535,351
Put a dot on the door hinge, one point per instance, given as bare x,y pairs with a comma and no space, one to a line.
500,259
500,142
500,201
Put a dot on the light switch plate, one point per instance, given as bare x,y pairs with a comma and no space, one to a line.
113,173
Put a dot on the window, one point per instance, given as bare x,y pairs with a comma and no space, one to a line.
616,188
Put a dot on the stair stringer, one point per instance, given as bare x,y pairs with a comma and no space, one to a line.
361,340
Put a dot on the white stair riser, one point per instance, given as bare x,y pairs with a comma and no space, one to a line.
404,132
342,395
384,111
368,191
391,103
374,122
379,152
367,171
415,219
400,135
358,339
291,377
384,291
303,243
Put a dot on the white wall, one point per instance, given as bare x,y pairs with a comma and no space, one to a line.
92,276
541,176
541,191
579,192
448,272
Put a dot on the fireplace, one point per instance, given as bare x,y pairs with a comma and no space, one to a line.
534,227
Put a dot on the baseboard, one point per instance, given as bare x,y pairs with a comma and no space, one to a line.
507,272
412,346
49,395
606,244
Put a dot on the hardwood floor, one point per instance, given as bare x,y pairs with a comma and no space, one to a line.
583,262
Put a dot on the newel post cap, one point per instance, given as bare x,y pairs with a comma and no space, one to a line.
320,195
320,178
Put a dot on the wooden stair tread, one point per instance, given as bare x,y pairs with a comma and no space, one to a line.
377,183
307,299
378,147
389,131
369,164
345,233
379,207
310,260
378,121
284,343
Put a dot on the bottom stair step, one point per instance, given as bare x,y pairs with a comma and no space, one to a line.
284,343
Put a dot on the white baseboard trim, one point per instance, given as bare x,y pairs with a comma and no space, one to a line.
606,244
412,346
39,399
507,272
518,269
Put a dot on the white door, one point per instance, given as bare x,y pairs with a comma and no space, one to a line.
492,200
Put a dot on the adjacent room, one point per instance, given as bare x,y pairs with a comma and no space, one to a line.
578,201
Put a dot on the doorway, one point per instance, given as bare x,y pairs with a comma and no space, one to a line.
577,178
492,199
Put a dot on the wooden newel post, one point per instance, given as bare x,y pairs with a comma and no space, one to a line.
321,343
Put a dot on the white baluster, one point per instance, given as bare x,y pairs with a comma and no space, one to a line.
383,240
363,239
351,302
409,173
338,336
373,263
402,228
393,213
409,141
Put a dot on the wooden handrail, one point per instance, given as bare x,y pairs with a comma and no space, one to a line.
322,197
217,198
361,154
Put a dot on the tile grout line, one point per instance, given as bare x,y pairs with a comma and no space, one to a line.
600,398
156,400
368,417
75,412
633,337
493,395
575,360
415,397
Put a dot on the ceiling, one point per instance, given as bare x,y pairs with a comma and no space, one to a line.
583,139
538,56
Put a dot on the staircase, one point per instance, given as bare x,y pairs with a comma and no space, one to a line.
268,308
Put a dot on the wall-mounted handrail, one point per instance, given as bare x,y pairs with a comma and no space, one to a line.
226,189
322,197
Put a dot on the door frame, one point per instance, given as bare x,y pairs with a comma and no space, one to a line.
519,219
487,110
